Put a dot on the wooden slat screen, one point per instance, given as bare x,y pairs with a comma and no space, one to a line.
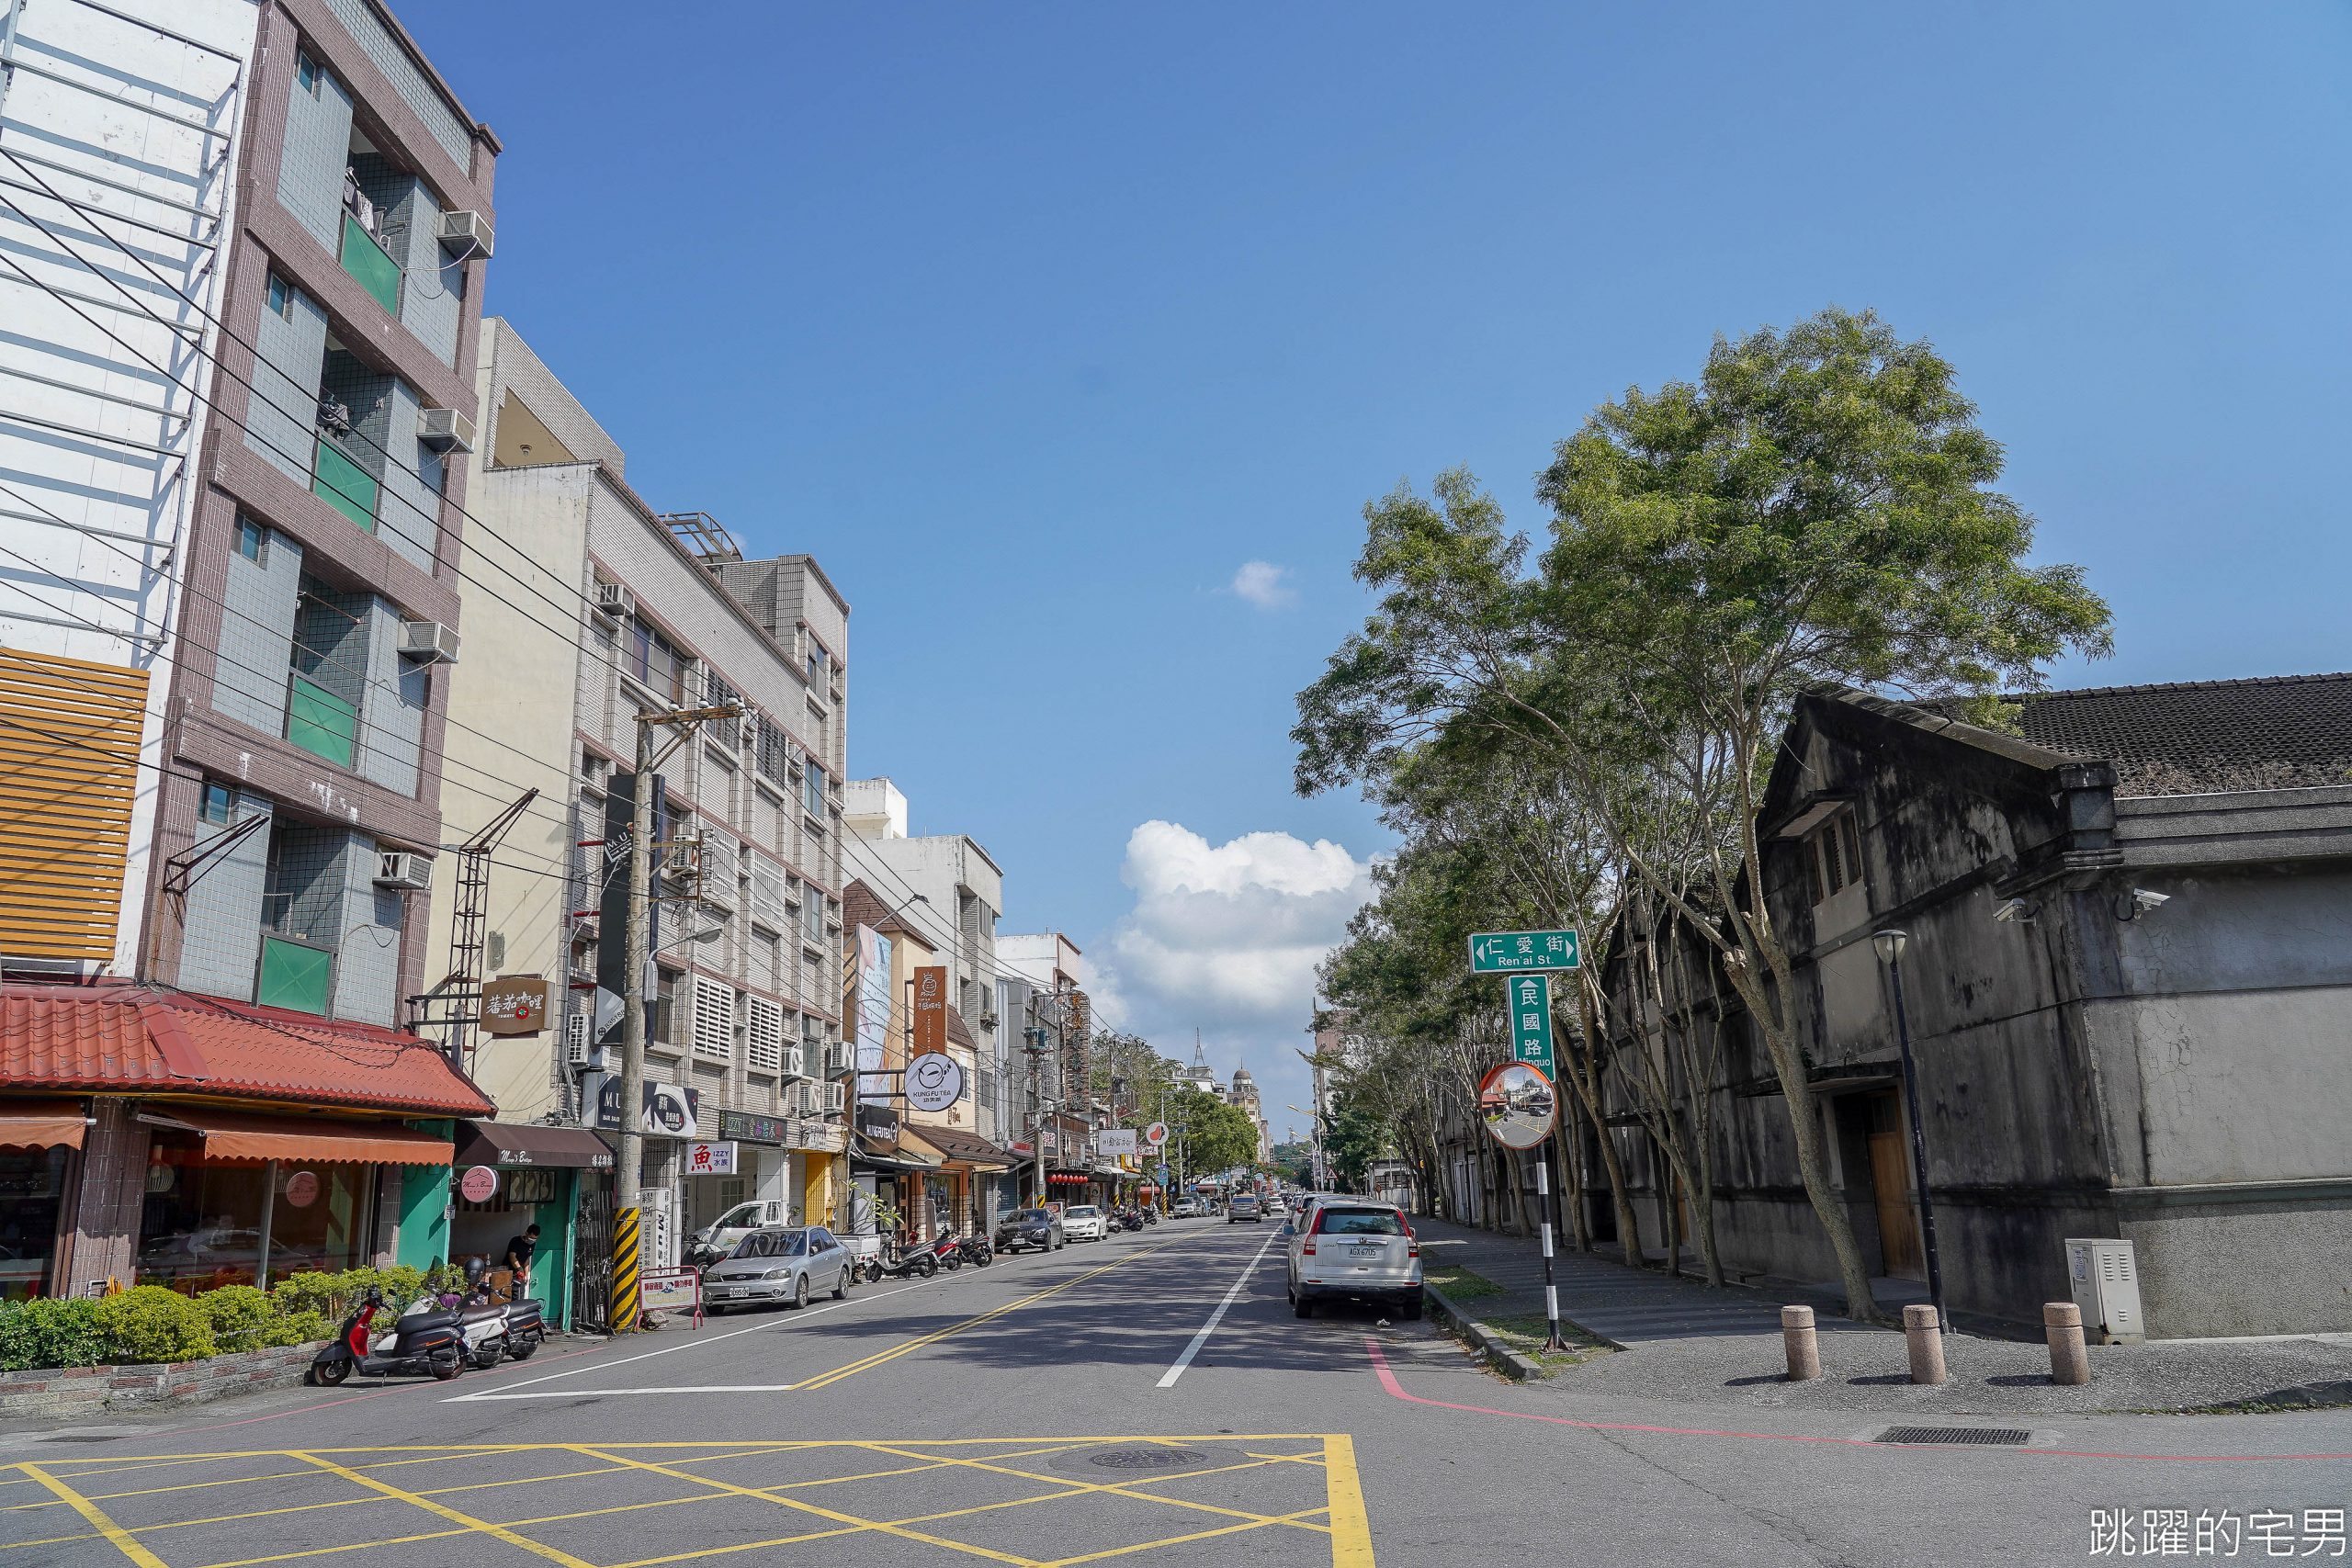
69,752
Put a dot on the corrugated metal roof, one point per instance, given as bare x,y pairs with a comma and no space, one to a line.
118,1037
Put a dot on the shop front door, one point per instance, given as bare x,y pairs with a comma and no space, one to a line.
1898,1216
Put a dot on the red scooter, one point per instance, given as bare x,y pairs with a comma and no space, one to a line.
423,1343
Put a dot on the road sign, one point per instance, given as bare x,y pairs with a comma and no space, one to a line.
1517,1105
1155,1134
1531,1021
1512,952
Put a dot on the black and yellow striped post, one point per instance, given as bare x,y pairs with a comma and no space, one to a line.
624,1315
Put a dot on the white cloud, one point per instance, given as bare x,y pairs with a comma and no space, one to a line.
1261,583
1228,935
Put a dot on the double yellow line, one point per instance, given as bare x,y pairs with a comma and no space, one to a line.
825,1380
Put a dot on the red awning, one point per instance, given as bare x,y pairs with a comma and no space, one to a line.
241,1135
115,1037
40,1123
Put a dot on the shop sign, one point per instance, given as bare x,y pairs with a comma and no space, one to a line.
664,1110
671,1290
1115,1140
930,1009
934,1082
302,1189
878,1124
744,1127
515,1005
479,1184
710,1159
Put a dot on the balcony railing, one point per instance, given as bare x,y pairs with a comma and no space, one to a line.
344,485
371,263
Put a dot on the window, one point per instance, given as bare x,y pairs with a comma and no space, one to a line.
812,789
219,802
817,664
658,665
282,298
812,918
306,74
1833,857
774,755
665,1008
253,541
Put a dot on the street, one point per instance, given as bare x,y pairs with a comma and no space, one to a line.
1041,1411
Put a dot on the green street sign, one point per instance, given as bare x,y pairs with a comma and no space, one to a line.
1531,1021
1520,953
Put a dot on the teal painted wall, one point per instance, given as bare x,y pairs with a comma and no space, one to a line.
423,1238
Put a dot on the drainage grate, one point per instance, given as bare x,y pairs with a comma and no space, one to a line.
1146,1459
2008,1435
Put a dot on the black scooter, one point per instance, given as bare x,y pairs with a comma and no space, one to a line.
423,1343
921,1261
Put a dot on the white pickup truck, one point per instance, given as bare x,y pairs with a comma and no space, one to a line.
717,1239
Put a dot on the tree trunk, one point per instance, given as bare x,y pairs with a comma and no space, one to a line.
1813,1167
1572,1173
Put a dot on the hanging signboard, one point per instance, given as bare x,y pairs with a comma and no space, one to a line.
934,1080
664,1110
479,1184
1531,1021
1155,1134
515,1005
1115,1140
710,1159
930,1009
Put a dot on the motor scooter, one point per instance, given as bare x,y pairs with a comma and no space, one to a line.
920,1261
975,1250
423,1343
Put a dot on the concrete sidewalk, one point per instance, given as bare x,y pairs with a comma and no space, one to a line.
1687,1341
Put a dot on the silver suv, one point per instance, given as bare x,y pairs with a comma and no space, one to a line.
1355,1250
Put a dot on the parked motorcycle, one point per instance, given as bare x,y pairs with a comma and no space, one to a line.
1131,1219
975,1250
1152,1214
920,1261
420,1344
495,1323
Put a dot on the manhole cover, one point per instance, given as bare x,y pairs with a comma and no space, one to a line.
1999,1436
1147,1459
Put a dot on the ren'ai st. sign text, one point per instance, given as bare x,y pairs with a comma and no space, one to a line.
1521,953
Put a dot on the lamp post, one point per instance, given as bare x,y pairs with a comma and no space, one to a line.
1889,946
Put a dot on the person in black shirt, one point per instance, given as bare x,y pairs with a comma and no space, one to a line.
519,1257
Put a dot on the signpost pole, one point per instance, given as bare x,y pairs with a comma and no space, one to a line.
1545,1204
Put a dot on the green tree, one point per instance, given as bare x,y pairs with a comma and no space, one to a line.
1817,507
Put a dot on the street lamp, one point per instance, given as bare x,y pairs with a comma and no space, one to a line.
1314,1122
1889,946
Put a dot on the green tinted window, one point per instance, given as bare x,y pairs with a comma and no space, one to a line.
369,263
293,975
345,486
321,723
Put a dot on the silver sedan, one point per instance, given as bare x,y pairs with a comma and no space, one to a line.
776,1265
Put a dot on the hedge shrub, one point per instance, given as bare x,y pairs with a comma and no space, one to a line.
149,1322
50,1333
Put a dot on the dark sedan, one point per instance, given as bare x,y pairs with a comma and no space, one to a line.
1040,1228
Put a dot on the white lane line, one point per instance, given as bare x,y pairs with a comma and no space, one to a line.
1168,1379
511,1391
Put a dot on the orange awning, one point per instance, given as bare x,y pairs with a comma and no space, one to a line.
243,1135
40,1123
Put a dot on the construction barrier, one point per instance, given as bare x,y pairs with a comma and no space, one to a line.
624,1313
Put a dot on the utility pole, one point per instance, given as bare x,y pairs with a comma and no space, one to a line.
629,1165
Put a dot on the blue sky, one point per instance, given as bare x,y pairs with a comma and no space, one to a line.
1037,323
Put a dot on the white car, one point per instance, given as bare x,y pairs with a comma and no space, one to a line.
1359,1251
1185,1209
1084,1222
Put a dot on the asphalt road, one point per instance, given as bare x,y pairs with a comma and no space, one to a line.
1026,1414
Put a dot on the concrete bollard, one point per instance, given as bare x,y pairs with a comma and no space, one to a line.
2070,1362
1804,1346
1926,1339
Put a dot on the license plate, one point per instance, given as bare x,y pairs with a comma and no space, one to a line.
1366,1249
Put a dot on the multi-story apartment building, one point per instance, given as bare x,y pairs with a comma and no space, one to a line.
614,611
246,248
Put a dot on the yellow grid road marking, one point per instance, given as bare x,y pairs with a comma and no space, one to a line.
1350,1526
329,1550
501,1532
823,1513
824,1380
1297,1518
96,1517
1120,1488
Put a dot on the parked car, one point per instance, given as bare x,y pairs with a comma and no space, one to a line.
1185,1209
723,1235
1356,1251
773,1265
1274,1206
1242,1206
1040,1228
1084,1222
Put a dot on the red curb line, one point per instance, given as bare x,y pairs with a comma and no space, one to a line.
1388,1381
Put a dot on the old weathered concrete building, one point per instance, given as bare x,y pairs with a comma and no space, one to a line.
2128,983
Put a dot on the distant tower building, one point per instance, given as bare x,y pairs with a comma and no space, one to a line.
1244,1095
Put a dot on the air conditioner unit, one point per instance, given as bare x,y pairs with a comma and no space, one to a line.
803,1098
575,1040
750,740
836,1098
2106,1280
399,868
429,641
466,233
794,1063
682,862
837,1061
616,600
444,429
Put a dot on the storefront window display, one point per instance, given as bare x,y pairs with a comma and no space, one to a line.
32,1183
205,1224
